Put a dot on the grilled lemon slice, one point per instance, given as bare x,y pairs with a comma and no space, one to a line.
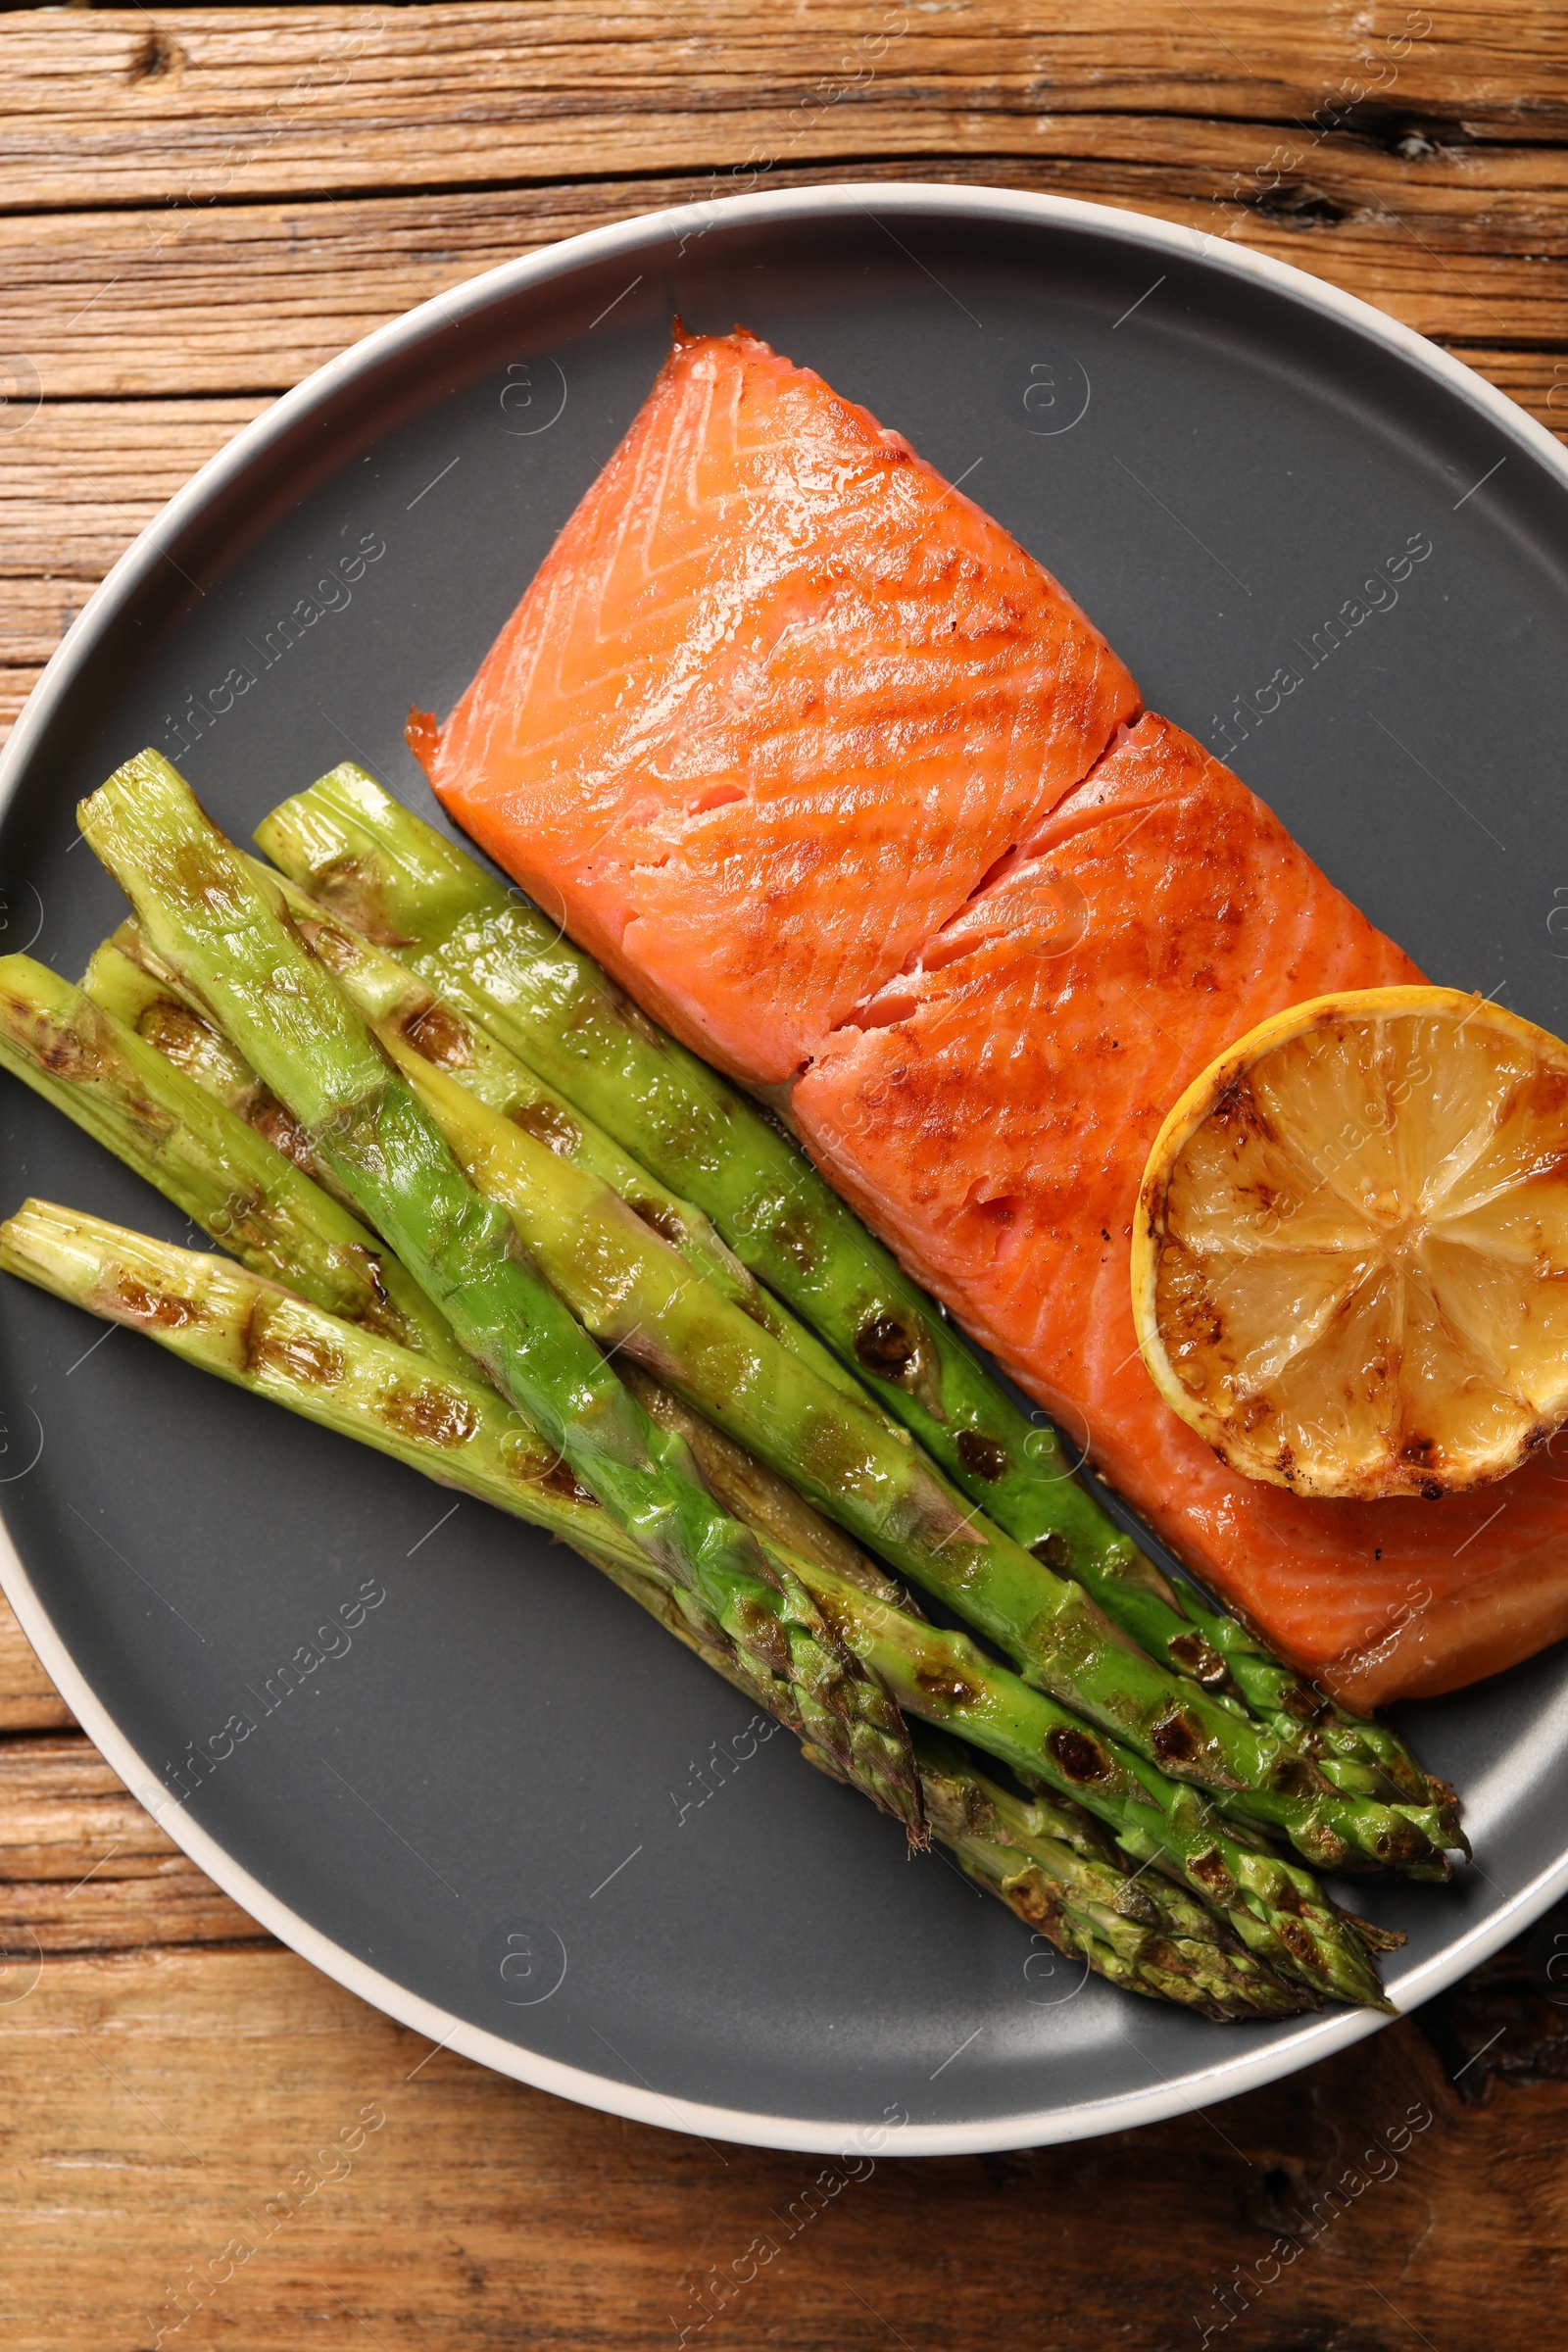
1349,1260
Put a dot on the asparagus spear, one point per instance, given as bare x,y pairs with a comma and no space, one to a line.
206,916
342,1374
1039,1856
238,1186
496,959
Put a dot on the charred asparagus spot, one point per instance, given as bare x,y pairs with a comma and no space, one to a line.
1044,1858
205,916
499,964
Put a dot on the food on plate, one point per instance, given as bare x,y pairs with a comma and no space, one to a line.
695,775
204,914
756,1580
838,783
777,700
1043,1856
516,978
1349,1264
632,1290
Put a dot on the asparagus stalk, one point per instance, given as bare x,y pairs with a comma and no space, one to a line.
206,916
1039,1856
342,1374
493,957
162,1017
238,1186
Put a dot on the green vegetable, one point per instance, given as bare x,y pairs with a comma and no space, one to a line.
229,1180
1040,1855
634,1294
205,915
129,982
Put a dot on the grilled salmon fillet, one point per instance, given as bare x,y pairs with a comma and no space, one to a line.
992,1112
774,704
844,789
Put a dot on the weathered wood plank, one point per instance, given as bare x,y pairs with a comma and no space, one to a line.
84,1868
28,1701
247,298
177,1904
228,2137
80,482
62,1810
201,104
75,487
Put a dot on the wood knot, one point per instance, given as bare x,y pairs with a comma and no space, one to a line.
159,56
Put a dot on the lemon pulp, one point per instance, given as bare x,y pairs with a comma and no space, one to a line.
1350,1254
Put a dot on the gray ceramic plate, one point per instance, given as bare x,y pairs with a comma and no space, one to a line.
502,1804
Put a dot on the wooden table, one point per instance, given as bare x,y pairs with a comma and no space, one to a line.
204,204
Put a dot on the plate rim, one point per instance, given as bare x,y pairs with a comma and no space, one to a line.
1228,2076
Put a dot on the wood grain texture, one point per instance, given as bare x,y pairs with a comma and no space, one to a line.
82,1867
228,103
199,206
28,1701
250,297
75,487
227,2137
